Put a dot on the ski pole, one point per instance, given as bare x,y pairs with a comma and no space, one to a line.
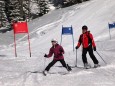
44,60
76,59
101,57
44,63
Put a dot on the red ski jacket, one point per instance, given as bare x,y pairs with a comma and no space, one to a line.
86,39
58,52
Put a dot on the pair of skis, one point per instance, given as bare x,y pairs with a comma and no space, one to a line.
65,73
61,73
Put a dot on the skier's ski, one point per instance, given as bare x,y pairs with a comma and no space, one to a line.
81,67
35,72
94,67
51,73
38,72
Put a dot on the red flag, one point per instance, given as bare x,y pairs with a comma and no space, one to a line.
20,27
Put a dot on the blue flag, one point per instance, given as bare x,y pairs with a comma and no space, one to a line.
111,26
67,30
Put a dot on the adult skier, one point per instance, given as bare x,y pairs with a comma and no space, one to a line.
88,44
58,52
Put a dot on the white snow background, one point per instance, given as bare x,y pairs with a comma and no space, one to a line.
16,71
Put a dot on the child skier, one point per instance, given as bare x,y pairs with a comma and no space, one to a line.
58,52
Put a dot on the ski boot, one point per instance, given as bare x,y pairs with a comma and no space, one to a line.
87,66
96,65
45,72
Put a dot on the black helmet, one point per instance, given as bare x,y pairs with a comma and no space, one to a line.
84,27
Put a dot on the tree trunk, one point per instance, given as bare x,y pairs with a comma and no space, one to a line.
21,9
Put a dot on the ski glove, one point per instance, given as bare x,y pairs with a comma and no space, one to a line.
45,55
61,50
76,47
94,48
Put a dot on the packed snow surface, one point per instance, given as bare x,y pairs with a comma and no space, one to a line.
17,71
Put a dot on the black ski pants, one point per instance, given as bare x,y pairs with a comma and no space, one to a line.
62,62
90,51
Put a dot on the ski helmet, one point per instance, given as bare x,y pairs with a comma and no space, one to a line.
84,27
53,40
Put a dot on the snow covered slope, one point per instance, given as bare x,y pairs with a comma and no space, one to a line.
95,14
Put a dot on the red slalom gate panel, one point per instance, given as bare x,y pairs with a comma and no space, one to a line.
20,27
